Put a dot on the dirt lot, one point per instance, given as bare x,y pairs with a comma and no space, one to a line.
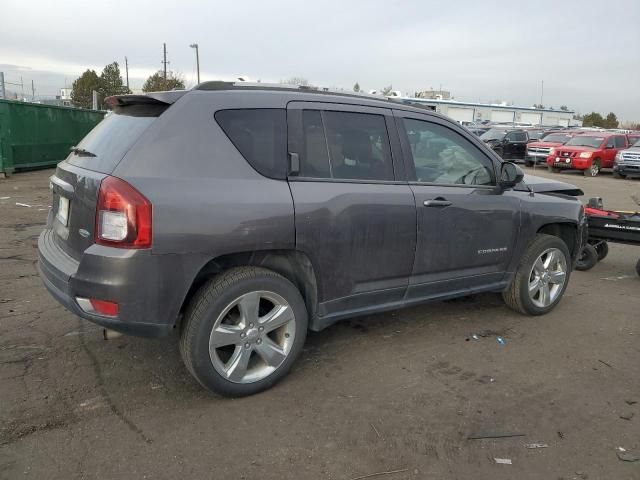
400,391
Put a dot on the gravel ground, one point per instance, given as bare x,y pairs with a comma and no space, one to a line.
398,394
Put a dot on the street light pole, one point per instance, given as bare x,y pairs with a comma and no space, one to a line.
195,45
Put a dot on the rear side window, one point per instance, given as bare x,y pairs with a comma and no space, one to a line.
260,135
345,145
112,138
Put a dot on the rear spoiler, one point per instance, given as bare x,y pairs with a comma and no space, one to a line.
154,98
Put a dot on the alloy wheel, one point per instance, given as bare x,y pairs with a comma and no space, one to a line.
547,277
252,337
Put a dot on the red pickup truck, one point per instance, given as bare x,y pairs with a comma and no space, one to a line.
539,150
589,152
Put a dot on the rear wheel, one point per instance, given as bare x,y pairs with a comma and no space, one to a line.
542,277
528,163
593,170
243,331
587,259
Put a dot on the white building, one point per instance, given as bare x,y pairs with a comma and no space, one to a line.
479,112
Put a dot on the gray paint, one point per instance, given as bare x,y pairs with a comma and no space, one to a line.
372,246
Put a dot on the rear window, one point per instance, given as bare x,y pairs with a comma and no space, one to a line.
260,135
112,138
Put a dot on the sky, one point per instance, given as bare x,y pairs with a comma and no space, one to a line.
586,52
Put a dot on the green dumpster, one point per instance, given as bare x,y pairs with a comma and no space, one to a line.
38,136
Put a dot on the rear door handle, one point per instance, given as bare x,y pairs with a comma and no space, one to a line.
438,202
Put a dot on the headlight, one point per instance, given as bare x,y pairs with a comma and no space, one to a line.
585,154
552,151
618,156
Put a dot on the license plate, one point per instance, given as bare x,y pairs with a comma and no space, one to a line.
63,211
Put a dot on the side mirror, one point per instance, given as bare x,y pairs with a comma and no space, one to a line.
510,175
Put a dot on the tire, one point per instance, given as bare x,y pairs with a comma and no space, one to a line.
587,259
518,296
618,175
602,249
528,164
218,304
593,170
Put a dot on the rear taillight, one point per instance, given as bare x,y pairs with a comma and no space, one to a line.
123,215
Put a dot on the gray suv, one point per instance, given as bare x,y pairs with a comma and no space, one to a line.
243,216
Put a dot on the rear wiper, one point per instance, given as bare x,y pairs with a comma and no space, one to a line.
82,151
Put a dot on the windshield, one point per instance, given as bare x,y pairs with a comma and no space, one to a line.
637,144
494,134
584,141
557,138
535,134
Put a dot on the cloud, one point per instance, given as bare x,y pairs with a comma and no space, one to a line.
478,50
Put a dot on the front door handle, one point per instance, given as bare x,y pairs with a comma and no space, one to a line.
438,202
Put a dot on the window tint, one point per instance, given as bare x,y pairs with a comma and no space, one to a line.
441,155
619,142
260,136
345,145
114,136
517,137
521,137
314,160
358,146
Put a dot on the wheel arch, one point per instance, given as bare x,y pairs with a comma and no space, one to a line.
567,232
294,265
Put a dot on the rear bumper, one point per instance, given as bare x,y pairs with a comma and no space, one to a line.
149,289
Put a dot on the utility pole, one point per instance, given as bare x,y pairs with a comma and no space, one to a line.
33,92
164,63
2,90
126,69
542,95
195,45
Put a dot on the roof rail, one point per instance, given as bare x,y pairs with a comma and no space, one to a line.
225,85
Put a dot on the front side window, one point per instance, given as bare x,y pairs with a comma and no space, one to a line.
619,142
441,155
345,145
260,135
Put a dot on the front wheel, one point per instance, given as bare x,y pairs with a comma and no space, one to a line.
541,278
243,331
618,175
593,170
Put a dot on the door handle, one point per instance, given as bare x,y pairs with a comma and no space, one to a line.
438,202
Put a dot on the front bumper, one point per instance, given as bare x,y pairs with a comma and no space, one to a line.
626,169
574,163
535,158
136,279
